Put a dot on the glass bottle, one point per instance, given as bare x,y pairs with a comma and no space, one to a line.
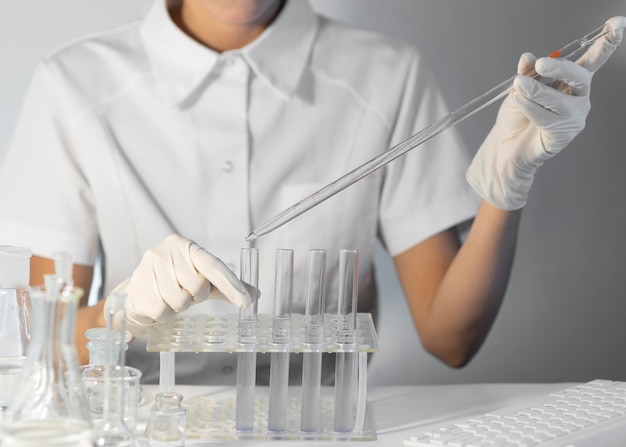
49,406
14,317
168,421
101,344
116,382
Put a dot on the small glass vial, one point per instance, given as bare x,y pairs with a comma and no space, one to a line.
168,421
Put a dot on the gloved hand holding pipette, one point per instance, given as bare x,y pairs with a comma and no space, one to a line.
536,120
171,277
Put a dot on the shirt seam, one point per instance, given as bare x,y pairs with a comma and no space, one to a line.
362,101
88,110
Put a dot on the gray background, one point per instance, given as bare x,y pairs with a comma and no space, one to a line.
563,318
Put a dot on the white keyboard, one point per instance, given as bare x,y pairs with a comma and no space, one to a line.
557,419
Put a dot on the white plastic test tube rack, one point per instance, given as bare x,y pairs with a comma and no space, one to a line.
308,411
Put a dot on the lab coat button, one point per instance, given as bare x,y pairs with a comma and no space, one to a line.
227,166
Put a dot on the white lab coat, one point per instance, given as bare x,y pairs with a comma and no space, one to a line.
132,134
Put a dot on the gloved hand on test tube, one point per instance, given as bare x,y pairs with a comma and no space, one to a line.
171,277
537,120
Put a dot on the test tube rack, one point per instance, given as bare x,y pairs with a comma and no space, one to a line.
212,417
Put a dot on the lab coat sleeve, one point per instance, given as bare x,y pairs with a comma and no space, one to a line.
45,201
424,191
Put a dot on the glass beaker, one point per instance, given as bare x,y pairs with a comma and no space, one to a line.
49,406
14,317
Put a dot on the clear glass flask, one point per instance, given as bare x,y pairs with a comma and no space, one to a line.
49,406
15,321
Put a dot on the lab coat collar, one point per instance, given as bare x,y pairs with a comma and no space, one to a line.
181,65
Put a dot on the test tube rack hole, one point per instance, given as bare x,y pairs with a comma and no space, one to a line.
212,417
210,333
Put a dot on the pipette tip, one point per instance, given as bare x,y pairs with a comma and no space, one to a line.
252,236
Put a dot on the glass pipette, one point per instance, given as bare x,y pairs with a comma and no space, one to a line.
570,51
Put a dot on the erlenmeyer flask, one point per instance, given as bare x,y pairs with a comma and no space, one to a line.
14,317
49,406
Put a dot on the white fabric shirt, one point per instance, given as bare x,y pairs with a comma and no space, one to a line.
129,135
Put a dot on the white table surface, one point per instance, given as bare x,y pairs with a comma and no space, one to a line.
398,411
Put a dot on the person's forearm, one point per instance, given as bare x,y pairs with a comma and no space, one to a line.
88,317
469,297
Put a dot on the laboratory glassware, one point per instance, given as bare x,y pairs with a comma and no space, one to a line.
103,349
571,51
313,338
15,330
281,325
216,417
63,266
112,430
49,406
167,371
246,358
346,365
103,346
168,420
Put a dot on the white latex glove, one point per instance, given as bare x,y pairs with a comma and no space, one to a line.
171,277
536,121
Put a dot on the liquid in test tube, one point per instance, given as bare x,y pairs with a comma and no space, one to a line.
347,361
279,366
246,360
313,338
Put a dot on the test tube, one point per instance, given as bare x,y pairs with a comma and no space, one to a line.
346,362
279,366
167,371
313,337
246,359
